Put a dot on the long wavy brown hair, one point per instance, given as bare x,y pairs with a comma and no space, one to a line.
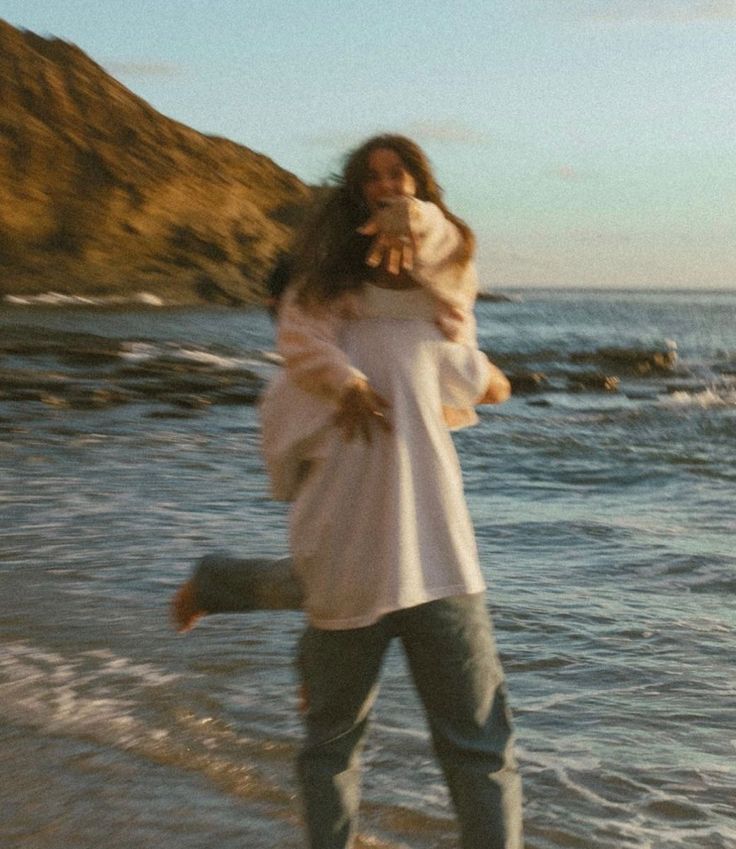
329,253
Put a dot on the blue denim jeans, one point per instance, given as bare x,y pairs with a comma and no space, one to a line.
452,657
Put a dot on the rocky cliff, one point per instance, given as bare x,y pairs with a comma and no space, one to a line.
101,195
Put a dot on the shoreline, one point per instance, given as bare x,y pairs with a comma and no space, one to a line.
146,298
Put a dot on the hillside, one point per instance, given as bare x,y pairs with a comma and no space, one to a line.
102,195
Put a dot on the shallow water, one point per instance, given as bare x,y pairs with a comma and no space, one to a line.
605,526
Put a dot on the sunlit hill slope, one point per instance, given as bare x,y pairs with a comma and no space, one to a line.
102,195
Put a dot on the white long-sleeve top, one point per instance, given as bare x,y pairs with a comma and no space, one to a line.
381,526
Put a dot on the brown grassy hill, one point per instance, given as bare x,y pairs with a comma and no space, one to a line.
102,195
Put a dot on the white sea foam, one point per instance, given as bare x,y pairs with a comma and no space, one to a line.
94,694
137,352
148,299
58,299
208,358
140,352
718,396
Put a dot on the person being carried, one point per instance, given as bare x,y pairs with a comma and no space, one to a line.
399,233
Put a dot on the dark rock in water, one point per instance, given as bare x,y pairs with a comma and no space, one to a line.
195,391
687,386
171,413
593,382
191,402
524,382
150,388
71,347
641,394
190,383
237,396
100,397
96,374
497,297
12,380
85,398
630,361
90,356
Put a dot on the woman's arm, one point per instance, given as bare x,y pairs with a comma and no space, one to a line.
315,362
467,378
439,264
307,339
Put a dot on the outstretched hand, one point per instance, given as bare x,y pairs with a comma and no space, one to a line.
360,410
394,244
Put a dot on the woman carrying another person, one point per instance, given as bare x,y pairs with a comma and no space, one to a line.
380,361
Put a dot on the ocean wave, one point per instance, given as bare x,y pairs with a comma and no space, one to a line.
69,369
143,351
61,694
141,709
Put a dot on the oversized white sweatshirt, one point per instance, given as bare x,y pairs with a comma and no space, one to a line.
381,526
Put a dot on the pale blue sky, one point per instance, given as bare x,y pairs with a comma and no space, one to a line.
588,142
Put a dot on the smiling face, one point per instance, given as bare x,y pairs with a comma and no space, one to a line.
387,178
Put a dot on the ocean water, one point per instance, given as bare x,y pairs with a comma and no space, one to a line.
605,522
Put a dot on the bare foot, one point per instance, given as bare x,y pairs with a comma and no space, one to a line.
183,609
